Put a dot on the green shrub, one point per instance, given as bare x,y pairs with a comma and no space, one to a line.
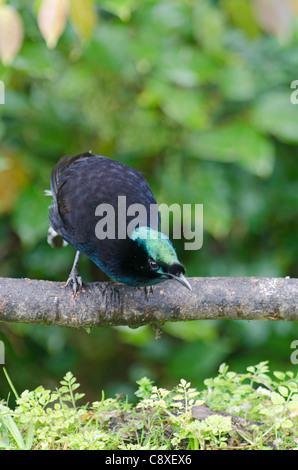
240,411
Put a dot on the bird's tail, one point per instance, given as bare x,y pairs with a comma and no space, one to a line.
54,239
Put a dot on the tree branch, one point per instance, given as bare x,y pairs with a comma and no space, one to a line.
103,304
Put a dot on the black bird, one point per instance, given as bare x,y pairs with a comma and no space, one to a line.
86,186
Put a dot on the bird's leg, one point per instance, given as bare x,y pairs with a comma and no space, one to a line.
74,276
148,291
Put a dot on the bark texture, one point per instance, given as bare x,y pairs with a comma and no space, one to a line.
105,304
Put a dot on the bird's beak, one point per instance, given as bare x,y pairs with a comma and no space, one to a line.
181,279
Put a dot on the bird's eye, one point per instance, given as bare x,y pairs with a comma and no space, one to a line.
153,264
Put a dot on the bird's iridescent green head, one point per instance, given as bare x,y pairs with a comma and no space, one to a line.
156,258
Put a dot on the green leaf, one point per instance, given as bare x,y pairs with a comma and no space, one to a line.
237,82
4,445
236,142
83,17
30,436
30,217
287,424
36,61
223,369
241,14
185,106
279,375
277,399
122,8
283,391
12,427
275,114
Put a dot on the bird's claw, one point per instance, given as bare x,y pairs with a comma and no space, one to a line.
148,291
75,280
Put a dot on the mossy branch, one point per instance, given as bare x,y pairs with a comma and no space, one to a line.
104,304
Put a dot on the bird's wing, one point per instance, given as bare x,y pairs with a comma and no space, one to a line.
81,184
61,166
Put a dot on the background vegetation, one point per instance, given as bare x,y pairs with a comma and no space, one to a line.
251,411
197,95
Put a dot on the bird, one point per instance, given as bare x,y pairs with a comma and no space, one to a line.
81,184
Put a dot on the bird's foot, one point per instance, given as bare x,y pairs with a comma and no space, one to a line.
148,291
75,281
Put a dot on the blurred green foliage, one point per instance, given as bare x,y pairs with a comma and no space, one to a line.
196,95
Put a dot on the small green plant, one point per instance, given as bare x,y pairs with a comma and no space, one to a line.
253,410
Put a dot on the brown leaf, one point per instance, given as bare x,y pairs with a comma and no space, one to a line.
294,6
274,17
12,179
11,33
52,16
